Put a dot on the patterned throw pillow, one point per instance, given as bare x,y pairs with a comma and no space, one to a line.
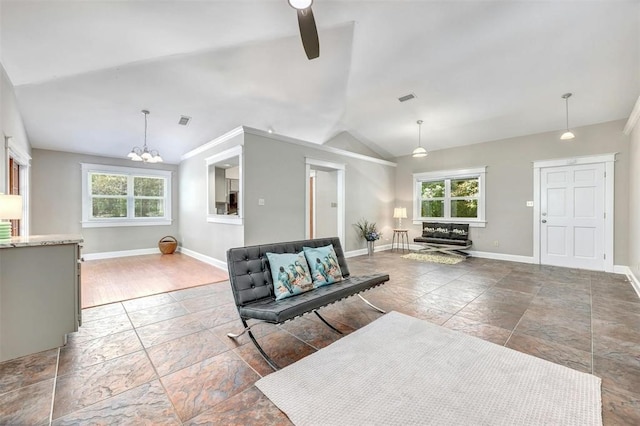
324,266
290,274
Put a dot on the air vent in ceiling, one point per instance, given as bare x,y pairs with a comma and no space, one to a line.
184,120
406,98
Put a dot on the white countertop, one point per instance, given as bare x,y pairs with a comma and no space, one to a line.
41,240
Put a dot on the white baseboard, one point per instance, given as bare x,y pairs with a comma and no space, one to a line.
204,258
122,253
362,252
501,256
621,269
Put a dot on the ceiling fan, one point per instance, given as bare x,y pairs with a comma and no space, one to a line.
308,30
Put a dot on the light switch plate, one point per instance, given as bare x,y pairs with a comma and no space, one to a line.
261,201
529,203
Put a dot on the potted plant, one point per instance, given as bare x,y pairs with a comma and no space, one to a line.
369,232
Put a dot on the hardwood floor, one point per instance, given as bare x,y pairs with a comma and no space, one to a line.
114,280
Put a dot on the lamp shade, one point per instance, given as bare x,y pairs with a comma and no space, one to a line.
400,213
10,206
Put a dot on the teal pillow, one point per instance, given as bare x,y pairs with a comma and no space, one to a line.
290,274
324,266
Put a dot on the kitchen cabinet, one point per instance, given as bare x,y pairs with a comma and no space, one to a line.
40,300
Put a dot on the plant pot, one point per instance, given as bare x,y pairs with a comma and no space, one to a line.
370,247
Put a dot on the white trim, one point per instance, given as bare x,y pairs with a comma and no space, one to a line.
574,161
229,219
236,151
330,149
450,173
501,256
15,151
122,253
609,202
257,132
213,143
341,197
88,222
227,153
633,118
362,252
476,172
203,258
107,223
635,283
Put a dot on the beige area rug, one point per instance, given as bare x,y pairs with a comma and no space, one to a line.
400,370
434,258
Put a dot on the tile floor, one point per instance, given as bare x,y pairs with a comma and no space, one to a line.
165,359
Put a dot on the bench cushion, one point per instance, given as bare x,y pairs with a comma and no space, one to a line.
290,274
248,272
279,311
323,264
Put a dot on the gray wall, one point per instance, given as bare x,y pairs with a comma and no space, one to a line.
275,171
634,201
207,238
326,194
509,182
56,197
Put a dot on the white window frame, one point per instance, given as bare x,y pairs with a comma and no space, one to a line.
220,218
131,172
448,175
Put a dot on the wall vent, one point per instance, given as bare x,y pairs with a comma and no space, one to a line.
184,120
406,98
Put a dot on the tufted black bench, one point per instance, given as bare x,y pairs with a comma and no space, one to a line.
448,238
254,294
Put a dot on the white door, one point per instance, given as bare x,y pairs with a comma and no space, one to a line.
572,216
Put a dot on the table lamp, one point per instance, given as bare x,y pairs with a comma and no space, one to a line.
400,213
10,208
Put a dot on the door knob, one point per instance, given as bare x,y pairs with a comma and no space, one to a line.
544,221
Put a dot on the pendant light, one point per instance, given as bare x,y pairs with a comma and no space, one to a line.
419,151
144,154
568,134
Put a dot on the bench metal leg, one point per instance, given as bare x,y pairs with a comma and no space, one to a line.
372,305
235,336
328,325
455,251
247,328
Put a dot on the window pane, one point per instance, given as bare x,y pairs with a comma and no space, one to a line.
149,208
464,188
432,208
433,189
109,207
464,208
102,184
148,187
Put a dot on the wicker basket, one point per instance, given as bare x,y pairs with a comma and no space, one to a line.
168,244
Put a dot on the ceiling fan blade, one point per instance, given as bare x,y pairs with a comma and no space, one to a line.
308,33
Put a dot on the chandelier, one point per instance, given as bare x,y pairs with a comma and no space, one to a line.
144,154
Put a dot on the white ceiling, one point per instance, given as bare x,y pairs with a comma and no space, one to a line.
481,70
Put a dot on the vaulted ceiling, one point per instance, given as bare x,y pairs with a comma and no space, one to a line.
480,70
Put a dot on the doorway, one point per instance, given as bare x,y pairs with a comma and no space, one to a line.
18,163
573,219
325,207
